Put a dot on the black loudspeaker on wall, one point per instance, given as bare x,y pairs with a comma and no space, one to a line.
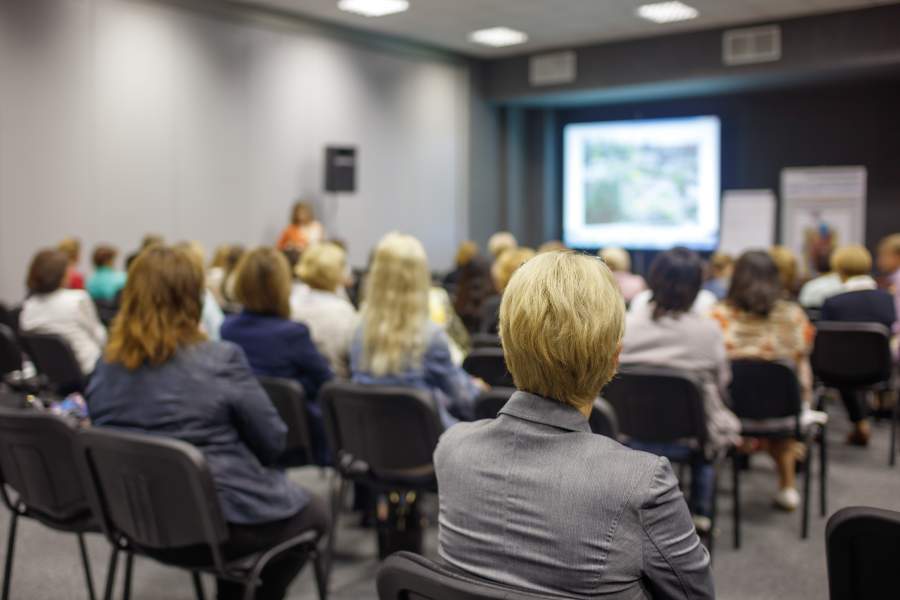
340,169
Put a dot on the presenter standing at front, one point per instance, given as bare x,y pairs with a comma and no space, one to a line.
303,231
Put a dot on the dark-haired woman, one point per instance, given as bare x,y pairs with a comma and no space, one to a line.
160,375
758,324
70,314
666,332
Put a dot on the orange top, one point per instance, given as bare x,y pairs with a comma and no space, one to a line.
300,236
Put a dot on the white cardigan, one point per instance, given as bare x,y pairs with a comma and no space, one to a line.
70,314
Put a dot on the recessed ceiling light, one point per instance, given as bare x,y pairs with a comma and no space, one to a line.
667,12
374,8
498,37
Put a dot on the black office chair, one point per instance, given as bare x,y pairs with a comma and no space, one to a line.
153,494
862,545
10,352
489,403
407,576
382,437
10,317
54,359
664,406
489,365
762,390
37,463
854,357
289,400
107,310
485,340
603,419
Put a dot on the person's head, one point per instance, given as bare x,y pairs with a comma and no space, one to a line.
395,305
160,310
220,257
561,324
47,271
466,252
233,257
302,213
104,256
617,259
500,242
506,264
195,251
720,265
71,247
323,267
675,278
551,246
786,262
151,239
262,282
851,261
755,284
889,254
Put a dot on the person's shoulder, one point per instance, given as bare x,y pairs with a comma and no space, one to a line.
459,436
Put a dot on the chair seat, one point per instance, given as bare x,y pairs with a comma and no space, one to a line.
81,522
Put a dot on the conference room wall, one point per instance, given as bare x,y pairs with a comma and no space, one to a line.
121,117
845,122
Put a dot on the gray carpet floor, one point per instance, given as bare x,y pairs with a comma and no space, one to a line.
773,562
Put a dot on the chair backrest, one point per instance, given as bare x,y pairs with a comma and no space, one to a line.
763,389
37,460
862,545
485,340
489,403
10,352
393,430
408,576
10,317
852,354
54,359
603,419
289,400
489,365
656,404
155,492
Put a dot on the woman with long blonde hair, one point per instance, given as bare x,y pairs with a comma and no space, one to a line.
160,375
396,343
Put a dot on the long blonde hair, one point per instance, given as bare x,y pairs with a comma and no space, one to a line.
395,307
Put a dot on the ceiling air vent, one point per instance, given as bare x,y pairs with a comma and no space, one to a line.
751,45
553,68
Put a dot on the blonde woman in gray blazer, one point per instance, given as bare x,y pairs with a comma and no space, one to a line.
532,498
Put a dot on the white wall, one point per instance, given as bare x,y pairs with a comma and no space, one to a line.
121,117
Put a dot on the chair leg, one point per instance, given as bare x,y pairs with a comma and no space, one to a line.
713,521
86,563
111,574
198,585
338,492
823,472
807,479
10,548
320,568
129,566
249,590
892,459
736,494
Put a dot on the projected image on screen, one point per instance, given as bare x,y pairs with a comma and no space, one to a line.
642,184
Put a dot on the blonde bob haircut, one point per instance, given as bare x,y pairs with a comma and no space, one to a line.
851,261
161,306
561,321
395,307
262,282
500,242
322,266
616,258
504,267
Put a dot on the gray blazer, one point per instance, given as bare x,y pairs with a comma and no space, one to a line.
535,500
